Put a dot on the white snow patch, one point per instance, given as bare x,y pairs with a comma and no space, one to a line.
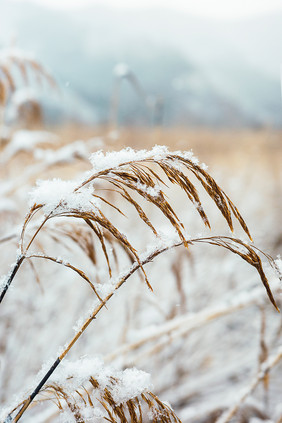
61,196
67,417
129,383
3,281
104,289
152,191
167,238
102,161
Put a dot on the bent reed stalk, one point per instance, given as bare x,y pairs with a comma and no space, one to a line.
134,175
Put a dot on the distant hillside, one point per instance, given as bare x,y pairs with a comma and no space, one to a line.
199,71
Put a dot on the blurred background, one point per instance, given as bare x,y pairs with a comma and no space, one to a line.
167,63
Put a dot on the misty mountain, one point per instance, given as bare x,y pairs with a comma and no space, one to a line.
197,71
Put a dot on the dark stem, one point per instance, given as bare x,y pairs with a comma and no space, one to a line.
34,393
11,277
22,256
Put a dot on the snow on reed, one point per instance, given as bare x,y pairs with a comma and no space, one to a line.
130,383
61,195
112,159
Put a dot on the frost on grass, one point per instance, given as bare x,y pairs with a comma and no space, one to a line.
3,281
61,195
152,191
123,385
167,237
88,415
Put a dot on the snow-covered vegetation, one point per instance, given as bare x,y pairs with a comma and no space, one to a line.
132,288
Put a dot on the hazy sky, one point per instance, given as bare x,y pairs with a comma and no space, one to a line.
210,8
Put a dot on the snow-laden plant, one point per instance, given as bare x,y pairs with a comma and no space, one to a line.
117,181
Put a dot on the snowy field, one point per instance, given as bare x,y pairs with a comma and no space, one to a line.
206,341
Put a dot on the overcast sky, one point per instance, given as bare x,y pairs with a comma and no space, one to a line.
208,8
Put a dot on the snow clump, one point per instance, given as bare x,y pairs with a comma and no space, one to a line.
61,196
112,159
127,384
